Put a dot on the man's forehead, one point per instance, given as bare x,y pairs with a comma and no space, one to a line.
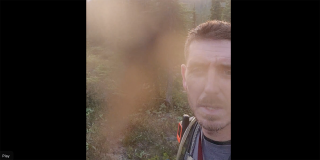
210,50
202,60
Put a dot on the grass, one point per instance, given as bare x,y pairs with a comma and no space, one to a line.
151,133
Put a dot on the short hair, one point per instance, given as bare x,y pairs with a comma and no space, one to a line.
211,30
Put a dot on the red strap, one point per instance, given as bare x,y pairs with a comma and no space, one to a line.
200,157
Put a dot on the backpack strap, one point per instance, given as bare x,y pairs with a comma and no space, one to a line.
185,144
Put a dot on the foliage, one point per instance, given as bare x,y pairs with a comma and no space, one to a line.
226,13
221,13
152,130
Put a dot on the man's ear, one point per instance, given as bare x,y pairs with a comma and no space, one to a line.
183,73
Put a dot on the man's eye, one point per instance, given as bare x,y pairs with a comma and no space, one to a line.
227,72
196,69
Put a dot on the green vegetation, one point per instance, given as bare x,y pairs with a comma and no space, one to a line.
133,72
151,133
221,10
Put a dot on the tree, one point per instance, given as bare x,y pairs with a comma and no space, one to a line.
220,12
216,10
194,16
226,13
172,8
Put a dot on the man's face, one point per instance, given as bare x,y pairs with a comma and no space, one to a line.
207,80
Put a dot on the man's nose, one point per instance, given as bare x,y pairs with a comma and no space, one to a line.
212,86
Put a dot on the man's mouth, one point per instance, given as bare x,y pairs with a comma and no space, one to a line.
210,107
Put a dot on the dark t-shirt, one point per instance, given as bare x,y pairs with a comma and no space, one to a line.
212,150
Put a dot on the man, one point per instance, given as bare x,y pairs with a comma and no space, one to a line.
207,81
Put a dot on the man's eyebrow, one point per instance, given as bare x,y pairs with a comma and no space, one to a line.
195,63
224,60
220,60
225,64
209,49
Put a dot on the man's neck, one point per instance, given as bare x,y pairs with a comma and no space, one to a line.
220,136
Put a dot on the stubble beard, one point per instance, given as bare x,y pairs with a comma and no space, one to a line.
212,126
209,123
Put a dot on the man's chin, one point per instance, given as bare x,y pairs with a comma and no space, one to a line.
212,125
